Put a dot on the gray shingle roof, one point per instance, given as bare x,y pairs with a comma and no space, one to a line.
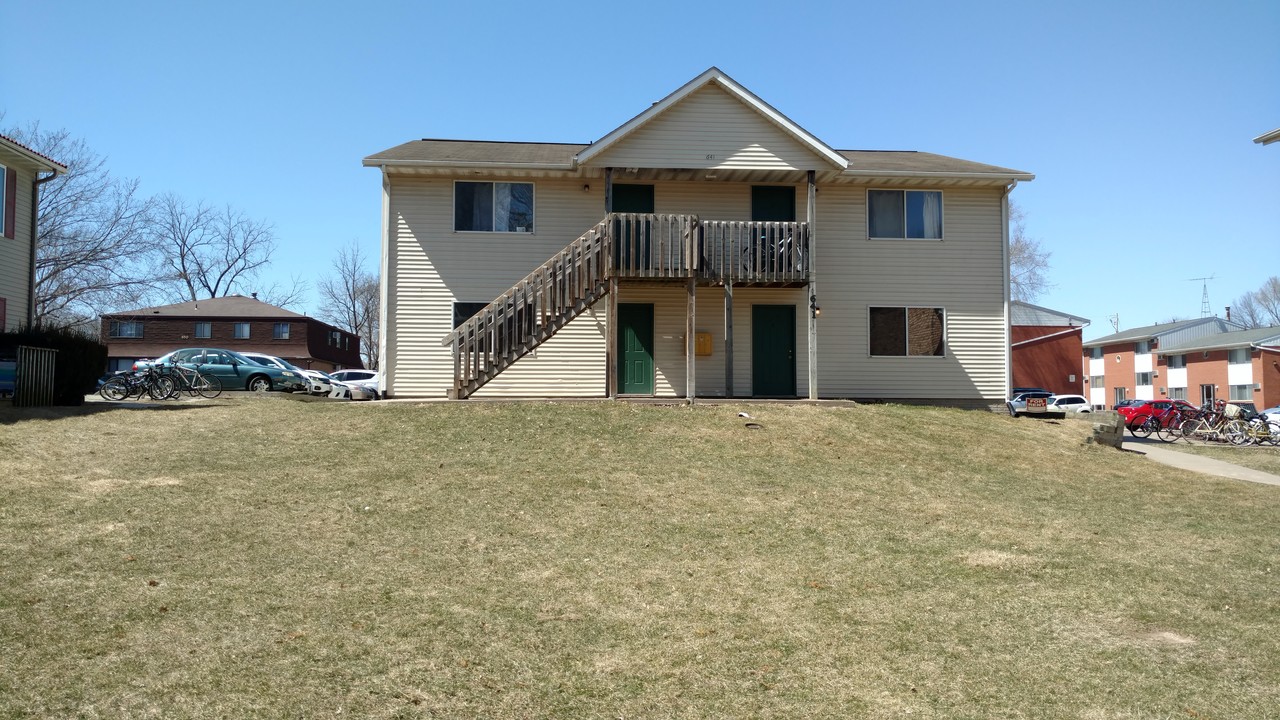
1144,333
229,306
1223,341
514,154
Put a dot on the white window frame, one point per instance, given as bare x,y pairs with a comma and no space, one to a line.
942,213
276,333
1138,378
939,308
1240,393
1179,364
1177,393
533,207
1233,353
1097,381
1142,347
235,331
206,326
1095,353
4,176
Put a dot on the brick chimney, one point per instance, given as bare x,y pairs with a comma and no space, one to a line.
1228,313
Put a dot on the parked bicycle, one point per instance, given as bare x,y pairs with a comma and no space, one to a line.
1216,422
191,381
150,382
1258,430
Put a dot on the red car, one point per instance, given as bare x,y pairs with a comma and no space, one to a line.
1136,415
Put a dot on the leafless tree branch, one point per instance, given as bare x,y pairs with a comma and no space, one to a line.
349,298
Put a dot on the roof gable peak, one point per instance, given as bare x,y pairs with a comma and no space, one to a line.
716,76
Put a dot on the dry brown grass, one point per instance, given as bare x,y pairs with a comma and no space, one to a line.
262,557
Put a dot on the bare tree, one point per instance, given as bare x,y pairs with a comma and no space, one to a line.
1259,308
211,253
92,249
349,299
1028,260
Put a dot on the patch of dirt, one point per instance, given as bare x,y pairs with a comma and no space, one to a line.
997,558
100,486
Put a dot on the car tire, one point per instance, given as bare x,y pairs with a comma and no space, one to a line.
258,383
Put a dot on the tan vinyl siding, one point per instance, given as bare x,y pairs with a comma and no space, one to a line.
963,273
433,266
710,122
15,253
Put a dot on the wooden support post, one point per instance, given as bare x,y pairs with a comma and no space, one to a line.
813,289
728,338
611,341
690,343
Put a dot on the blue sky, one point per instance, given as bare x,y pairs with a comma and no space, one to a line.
1137,118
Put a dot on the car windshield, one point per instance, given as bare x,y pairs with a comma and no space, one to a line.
242,359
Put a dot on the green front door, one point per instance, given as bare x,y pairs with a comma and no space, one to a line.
634,241
635,349
773,350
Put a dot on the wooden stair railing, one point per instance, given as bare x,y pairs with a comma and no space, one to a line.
531,311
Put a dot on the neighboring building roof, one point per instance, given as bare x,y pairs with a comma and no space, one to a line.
1022,313
44,162
749,99
1150,331
1268,138
1268,336
222,307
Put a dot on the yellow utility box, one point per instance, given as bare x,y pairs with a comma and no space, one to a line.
702,344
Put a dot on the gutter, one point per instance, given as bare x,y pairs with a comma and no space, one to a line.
35,226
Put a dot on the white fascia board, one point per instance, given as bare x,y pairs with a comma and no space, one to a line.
45,164
465,164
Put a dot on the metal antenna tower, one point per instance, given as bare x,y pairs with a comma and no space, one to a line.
1115,322
1204,294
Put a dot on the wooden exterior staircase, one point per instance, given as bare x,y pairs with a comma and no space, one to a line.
643,246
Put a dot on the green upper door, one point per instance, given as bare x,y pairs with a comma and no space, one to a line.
773,350
773,203
635,348
634,243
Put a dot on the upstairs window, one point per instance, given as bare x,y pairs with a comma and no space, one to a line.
1238,356
126,329
280,331
904,214
204,330
907,331
1142,347
240,331
1143,378
1095,353
492,207
1177,362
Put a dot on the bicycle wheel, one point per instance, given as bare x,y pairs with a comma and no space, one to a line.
161,387
209,386
1141,426
1190,427
1236,433
114,389
1169,433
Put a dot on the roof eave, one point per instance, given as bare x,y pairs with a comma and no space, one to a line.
1020,177
44,163
1268,138
467,164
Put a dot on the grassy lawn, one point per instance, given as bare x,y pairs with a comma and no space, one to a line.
270,558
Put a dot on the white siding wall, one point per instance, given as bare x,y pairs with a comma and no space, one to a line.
710,122
434,266
14,254
963,273
1241,374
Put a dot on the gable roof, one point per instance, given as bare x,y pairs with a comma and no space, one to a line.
729,85
1150,331
1268,336
1023,313
229,306
43,162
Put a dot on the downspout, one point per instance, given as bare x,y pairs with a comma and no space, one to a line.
35,226
1004,251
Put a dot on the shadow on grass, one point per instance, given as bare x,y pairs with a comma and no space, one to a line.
10,415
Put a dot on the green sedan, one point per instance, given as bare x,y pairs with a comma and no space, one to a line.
236,371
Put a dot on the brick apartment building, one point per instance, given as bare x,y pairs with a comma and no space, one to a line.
234,322
1198,361
1045,347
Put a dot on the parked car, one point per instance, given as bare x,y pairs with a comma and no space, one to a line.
1069,404
234,370
347,391
1130,402
1034,402
364,378
317,382
1020,390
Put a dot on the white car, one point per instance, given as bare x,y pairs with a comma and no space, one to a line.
367,379
317,382
1068,404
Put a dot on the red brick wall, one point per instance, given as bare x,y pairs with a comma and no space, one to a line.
1266,370
160,335
1047,363
1211,370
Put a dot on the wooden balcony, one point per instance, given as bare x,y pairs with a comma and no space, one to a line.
679,247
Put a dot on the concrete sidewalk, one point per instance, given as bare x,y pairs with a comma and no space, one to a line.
1156,450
